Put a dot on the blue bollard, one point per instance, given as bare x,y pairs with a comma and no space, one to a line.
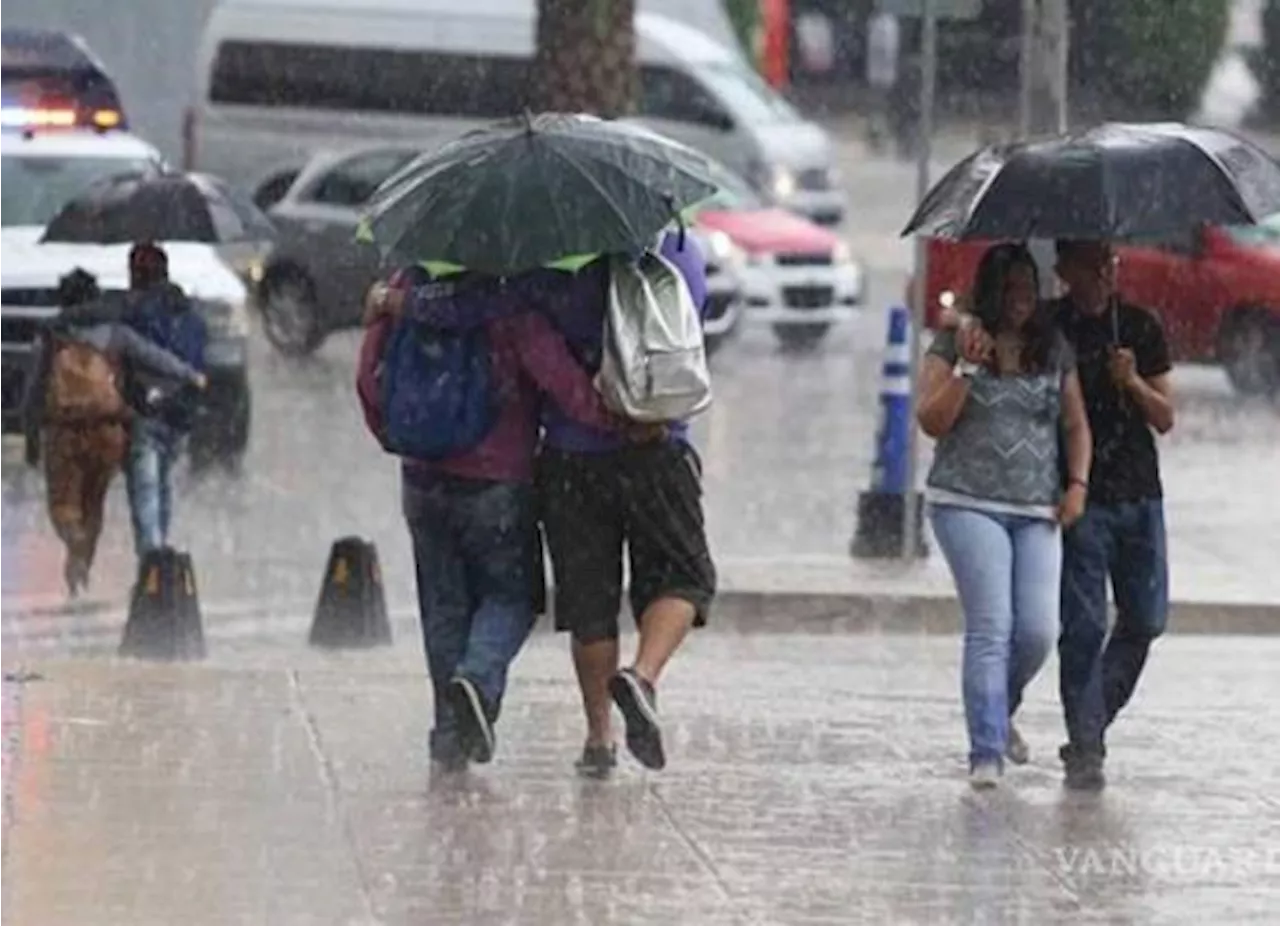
880,510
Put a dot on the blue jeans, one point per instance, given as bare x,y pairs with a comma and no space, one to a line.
1007,570
471,551
1125,542
153,447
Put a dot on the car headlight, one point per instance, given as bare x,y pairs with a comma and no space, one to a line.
225,320
783,183
255,270
841,255
721,247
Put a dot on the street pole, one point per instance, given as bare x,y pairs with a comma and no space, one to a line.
1057,40
1026,66
929,78
1042,103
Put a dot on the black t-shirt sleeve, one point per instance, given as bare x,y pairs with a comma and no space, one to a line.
944,346
1150,347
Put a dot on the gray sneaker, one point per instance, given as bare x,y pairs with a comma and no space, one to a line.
1016,749
1083,768
598,761
984,776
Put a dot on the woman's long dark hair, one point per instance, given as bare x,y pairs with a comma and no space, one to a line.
1039,333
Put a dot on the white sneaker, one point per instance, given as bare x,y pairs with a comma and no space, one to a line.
1016,749
984,776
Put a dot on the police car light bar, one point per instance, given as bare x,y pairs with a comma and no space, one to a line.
19,117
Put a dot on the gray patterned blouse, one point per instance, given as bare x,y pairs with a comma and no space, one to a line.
1002,453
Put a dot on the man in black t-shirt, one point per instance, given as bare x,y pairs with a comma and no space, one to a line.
1123,363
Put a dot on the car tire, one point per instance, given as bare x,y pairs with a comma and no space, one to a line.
290,314
801,337
1249,348
223,440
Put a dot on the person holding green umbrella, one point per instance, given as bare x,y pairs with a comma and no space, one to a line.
508,202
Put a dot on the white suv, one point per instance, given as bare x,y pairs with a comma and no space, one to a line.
44,170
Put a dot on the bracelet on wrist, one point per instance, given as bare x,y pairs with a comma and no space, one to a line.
1082,483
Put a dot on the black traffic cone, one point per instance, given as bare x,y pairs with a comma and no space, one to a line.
164,610
352,610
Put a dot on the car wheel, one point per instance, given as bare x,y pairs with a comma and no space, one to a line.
290,316
223,439
1250,352
801,337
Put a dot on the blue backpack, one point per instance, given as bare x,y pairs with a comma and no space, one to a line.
437,394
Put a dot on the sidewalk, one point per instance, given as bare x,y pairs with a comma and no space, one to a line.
812,780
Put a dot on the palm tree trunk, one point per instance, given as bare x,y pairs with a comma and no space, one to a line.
585,60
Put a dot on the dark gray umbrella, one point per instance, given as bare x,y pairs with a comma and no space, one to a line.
158,206
527,192
1115,182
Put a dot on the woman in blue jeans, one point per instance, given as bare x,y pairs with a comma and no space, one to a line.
995,492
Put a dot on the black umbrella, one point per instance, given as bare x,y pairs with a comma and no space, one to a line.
526,192
1115,182
158,206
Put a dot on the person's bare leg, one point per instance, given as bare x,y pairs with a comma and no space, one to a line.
596,663
663,627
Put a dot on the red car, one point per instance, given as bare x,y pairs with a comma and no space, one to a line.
792,273
1218,294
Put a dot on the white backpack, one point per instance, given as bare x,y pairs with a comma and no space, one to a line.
654,364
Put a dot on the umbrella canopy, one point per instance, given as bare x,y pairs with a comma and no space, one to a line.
528,192
157,206
1117,181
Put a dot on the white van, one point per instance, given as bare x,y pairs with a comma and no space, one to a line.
280,79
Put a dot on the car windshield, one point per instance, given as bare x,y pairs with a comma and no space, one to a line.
35,188
747,96
1265,233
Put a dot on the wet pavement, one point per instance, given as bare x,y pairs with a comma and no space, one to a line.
811,780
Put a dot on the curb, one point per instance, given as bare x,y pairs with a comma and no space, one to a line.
735,611
854,612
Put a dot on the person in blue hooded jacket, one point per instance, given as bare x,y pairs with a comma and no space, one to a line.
161,313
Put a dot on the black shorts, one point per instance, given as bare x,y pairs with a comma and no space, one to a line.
648,496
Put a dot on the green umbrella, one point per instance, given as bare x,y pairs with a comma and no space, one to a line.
549,190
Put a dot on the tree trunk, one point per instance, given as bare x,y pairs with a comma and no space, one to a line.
586,57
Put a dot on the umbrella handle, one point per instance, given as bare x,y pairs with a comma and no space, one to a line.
675,214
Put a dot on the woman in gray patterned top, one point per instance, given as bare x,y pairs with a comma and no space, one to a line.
995,493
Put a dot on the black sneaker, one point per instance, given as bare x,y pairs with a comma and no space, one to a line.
598,761
475,731
639,705
1083,768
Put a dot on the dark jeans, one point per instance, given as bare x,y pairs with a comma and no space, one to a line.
471,552
1125,542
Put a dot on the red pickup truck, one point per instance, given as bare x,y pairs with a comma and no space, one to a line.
1218,294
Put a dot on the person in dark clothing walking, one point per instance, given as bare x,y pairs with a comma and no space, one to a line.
600,492
162,313
1124,364
471,515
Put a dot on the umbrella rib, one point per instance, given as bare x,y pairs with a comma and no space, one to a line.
572,162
